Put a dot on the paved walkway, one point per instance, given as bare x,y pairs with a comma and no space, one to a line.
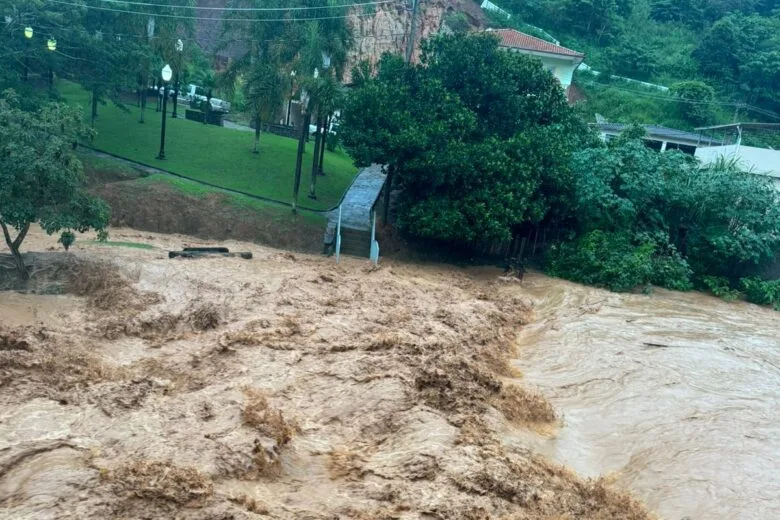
236,126
359,199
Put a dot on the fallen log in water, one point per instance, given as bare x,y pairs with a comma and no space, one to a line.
200,254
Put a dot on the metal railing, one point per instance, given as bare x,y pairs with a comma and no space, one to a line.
338,237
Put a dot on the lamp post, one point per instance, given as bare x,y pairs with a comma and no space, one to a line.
179,49
52,46
28,34
301,146
166,77
292,88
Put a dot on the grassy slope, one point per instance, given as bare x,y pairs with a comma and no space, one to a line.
216,155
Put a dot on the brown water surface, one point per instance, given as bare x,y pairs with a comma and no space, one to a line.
676,394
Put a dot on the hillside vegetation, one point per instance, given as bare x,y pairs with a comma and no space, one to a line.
720,58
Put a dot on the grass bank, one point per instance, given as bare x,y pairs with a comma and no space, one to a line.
216,155
175,205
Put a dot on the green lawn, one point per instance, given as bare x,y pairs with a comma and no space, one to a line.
213,154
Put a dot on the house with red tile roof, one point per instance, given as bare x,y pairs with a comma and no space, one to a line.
560,61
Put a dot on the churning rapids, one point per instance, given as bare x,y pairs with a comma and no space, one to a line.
676,395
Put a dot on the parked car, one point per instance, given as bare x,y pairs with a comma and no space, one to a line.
198,93
334,125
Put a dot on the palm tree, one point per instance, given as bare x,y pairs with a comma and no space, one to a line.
264,90
327,97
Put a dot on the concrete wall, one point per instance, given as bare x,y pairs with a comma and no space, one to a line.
762,161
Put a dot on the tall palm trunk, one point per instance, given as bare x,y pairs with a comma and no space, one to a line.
321,160
143,105
94,106
315,162
258,129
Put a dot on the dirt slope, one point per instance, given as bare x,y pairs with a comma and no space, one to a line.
281,387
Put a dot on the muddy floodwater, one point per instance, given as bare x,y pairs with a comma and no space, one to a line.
673,395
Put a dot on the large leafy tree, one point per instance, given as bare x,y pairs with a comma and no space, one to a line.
732,42
723,222
695,97
41,180
477,139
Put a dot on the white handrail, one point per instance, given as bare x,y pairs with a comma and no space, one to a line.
338,237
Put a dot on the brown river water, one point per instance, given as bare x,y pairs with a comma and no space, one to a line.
674,395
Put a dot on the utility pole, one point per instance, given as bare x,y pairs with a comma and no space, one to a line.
410,42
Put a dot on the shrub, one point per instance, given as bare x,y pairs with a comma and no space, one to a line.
67,238
762,292
602,259
620,262
720,287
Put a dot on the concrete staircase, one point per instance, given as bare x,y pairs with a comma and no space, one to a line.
355,242
356,214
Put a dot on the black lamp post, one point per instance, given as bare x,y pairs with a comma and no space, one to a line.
28,34
305,116
292,89
179,49
166,77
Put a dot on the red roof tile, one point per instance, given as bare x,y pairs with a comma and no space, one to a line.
517,40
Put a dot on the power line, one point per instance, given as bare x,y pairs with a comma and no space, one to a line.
180,17
691,102
249,9
197,39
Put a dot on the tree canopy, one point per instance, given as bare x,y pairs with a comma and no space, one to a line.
41,180
478,139
648,217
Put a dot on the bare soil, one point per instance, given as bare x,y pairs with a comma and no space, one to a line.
212,216
280,387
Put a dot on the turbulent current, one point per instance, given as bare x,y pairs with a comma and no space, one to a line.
673,395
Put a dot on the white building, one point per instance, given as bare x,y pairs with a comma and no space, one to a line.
560,61
761,161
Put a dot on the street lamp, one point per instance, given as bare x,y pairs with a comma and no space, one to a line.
51,44
179,50
292,89
28,34
305,117
167,73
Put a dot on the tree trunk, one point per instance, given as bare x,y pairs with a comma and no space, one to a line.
143,104
315,162
258,126
320,169
388,188
14,245
94,106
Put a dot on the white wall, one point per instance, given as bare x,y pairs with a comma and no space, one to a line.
762,161
561,69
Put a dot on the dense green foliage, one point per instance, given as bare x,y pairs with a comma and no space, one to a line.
477,138
41,180
619,262
644,217
762,292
